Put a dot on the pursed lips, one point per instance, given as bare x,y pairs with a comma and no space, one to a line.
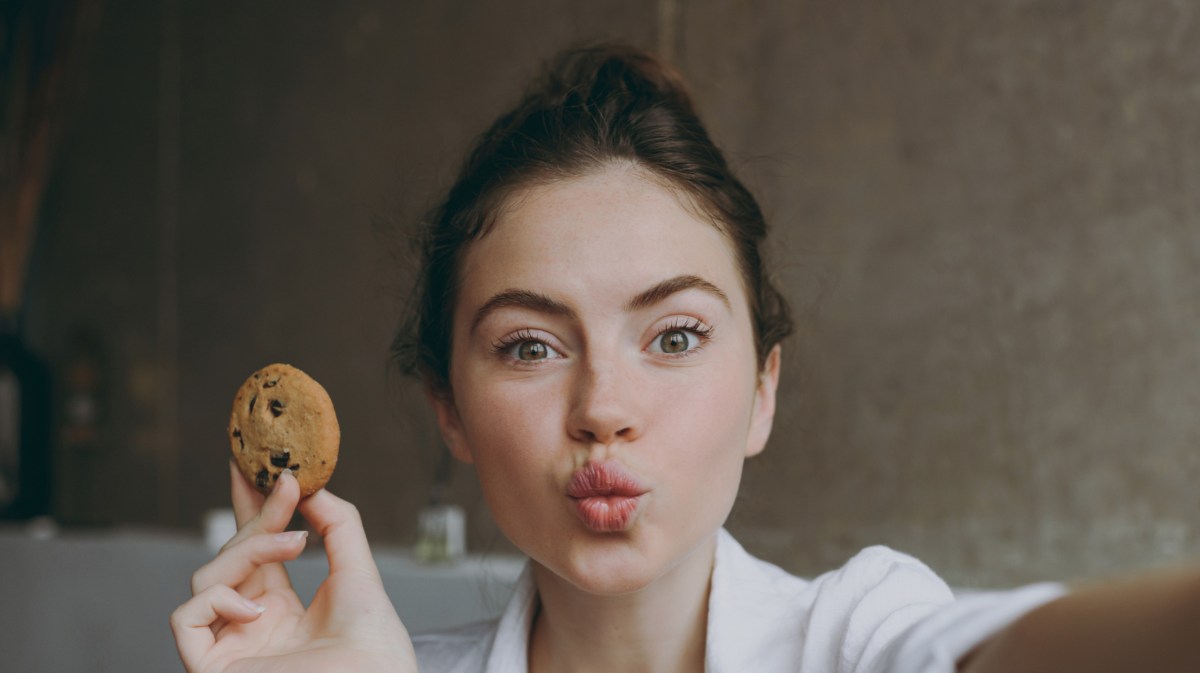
607,496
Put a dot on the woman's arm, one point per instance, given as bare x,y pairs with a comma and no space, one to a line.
1147,623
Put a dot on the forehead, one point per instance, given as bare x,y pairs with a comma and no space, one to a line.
601,237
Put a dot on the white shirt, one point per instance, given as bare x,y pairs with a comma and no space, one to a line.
882,612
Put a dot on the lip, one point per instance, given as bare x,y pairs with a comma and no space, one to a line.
607,497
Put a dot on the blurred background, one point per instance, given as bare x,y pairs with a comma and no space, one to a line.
986,214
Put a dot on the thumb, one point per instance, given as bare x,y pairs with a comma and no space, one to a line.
340,524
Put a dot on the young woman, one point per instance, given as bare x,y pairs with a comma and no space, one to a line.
598,335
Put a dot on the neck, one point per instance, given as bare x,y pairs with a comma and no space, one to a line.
659,628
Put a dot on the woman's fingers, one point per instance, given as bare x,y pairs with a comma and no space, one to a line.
236,563
356,590
191,621
246,500
339,523
257,515
273,511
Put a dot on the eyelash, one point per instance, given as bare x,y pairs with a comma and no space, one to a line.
702,331
501,345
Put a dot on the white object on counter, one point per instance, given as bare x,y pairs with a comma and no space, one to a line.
220,525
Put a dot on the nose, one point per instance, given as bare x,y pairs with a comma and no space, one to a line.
604,408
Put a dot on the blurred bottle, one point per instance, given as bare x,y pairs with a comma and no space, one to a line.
441,530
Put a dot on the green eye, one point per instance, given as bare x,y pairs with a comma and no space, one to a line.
532,350
675,341
525,348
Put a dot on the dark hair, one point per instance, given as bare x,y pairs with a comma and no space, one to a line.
592,106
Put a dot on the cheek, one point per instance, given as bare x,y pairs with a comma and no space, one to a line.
706,426
509,427
515,440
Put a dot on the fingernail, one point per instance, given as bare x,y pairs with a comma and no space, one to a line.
292,536
254,607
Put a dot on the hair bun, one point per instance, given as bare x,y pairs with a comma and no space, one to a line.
594,75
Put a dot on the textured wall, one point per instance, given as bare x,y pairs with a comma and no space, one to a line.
986,215
991,215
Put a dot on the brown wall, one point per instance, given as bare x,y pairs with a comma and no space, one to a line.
986,215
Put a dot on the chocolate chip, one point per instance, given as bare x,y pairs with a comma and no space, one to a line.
261,479
270,384
280,459
277,408
295,467
237,432
252,401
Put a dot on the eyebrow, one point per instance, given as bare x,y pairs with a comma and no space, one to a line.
526,299
671,286
540,303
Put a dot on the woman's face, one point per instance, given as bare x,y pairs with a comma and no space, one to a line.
604,378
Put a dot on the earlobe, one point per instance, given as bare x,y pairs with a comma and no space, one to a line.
763,415
450,424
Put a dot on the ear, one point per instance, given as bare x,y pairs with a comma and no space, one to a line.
763,414
449,424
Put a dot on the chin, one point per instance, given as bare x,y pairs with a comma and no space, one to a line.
611,564
599,580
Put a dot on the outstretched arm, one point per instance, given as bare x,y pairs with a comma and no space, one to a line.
1147,623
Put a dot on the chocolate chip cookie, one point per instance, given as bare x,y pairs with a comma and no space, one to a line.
284,420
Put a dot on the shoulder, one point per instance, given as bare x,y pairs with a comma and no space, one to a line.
463,649
763,618
863,609
890,612
882,610
877,580
882,575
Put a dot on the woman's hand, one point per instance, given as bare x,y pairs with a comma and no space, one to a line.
245,616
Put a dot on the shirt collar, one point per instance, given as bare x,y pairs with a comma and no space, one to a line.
755,613
510,648
752,616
